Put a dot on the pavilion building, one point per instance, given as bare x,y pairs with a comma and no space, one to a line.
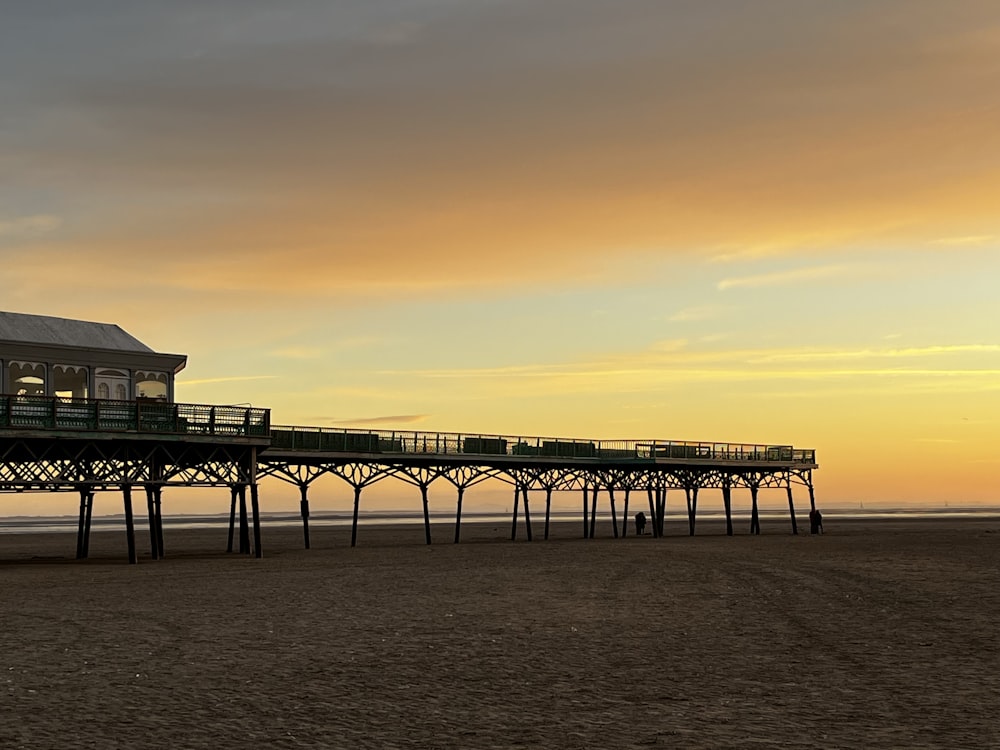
58,357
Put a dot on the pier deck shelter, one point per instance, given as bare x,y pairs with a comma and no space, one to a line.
45,356
86,407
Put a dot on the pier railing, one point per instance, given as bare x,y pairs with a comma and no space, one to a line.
146,416
461,444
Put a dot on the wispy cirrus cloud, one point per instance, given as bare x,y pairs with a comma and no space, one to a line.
390,419
840,355
791,276
296,351
673,363
972,240
227,379
698,312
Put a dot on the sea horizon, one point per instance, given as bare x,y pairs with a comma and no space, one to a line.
56,523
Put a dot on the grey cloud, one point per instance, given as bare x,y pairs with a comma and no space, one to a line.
250,131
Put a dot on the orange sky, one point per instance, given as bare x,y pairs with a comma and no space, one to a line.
771,221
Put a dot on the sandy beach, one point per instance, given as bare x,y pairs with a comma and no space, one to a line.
876,634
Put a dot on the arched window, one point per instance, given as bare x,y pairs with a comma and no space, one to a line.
110,382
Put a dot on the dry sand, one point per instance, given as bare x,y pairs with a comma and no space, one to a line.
877,634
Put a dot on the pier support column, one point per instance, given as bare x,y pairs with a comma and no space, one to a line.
585,525
154,547
458,513
812,495
754,514
625,515
158,512
548,510
791,508
653,506
614,513
427,513
258,551
727,501
691,496
527,512
81,525
86,526
661,508
354,520
513,519
233,492
304,510
593,511
129,523
244,522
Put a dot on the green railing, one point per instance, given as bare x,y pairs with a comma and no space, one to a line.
453,443
101,415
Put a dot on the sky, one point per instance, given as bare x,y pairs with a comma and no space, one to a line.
770,222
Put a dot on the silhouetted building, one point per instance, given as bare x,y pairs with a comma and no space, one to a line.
46,356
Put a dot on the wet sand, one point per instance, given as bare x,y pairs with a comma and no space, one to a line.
876,634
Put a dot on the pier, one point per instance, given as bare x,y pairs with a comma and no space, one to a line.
55,436
54,444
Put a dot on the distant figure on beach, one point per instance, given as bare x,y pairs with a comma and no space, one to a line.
815,522
640,523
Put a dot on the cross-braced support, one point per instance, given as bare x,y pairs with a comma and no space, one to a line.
463,477
358,475
302,476
548,480
691,482
420,477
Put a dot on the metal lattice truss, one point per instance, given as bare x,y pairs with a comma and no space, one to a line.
65,465
360,474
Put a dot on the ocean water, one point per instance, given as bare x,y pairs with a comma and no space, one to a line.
55,524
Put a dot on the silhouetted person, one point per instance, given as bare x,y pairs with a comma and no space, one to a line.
815,522
640,523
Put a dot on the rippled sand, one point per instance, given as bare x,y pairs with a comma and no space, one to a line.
877,634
